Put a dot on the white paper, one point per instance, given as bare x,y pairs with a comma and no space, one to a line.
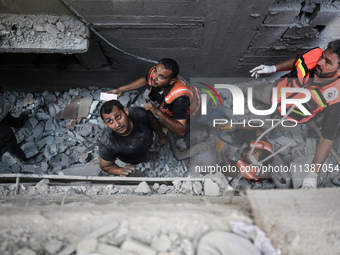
107,96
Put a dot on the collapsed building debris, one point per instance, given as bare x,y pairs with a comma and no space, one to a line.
42,34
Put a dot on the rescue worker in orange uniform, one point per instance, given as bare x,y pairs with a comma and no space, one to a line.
317,71
177,101
257,152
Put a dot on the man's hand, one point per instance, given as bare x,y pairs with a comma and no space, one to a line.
262,69
126,170
150,107
115,91
163,141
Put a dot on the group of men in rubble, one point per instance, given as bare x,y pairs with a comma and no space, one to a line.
130,130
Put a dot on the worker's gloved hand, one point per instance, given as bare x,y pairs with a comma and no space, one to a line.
262,69
226,127
310,181
163,140
219,146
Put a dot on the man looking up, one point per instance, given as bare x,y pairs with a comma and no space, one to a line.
128,136
177,101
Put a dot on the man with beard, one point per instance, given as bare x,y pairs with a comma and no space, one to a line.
176,100
128,137
318,72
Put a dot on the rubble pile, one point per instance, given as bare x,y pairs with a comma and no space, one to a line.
63,131
212,186
42,33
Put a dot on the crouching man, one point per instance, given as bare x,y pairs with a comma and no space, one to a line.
128,137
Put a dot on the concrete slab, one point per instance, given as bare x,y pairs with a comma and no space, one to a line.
299,221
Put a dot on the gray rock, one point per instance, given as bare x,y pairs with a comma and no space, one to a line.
86,130
49,96
30,149
8,159
87,246
143,188
211,188
161,244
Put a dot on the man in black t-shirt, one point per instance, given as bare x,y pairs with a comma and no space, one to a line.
128,136
176,100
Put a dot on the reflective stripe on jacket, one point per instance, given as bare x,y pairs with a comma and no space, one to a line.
321,97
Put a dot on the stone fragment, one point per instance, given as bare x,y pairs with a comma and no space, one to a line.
60,26
8,159
143,188
30,149
29,99
25,251
197,188
49,96
86,130
42,116
87,246
34,122
53,246
84,107
161,244
93,106
163,189
105,249
70,112
51,29
137,247
211,188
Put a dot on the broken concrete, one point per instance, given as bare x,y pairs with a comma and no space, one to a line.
42,34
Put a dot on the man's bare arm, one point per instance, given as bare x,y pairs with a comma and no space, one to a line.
111,168
286,65
137,84
178,127
321,153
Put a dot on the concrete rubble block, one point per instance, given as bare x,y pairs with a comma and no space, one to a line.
49,126
70,112
34,122
86,130
155,187
46,140
25,251
42,115
297,134
105,249
93,106
29,99
125,99
53,246
30,149
186,187
161,244
8,159
137,247
211,188
49,96
143,188
283,140
197,188
163,189
84,107
87,246
39,129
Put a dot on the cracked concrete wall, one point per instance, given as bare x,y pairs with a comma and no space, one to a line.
223,38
